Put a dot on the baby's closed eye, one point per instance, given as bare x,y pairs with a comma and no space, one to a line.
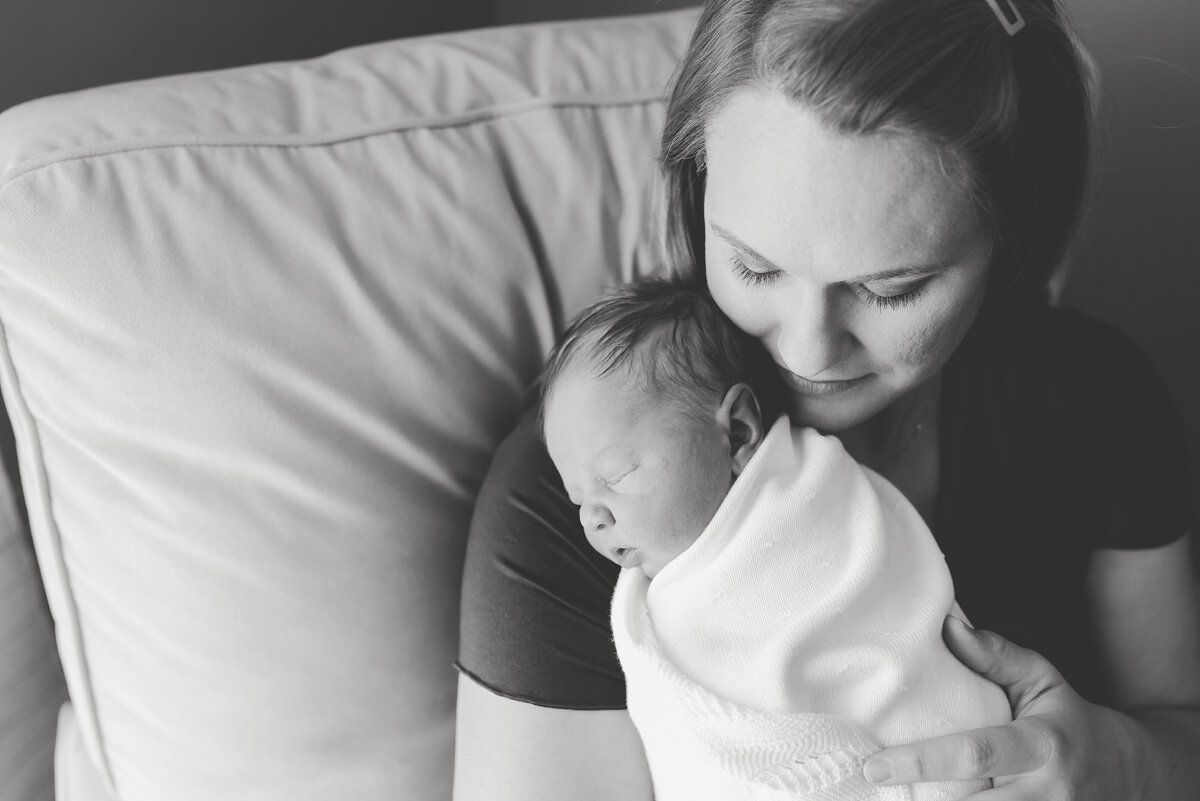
614,481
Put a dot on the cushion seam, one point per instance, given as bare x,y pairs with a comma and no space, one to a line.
285,141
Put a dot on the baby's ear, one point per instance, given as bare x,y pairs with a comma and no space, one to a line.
742,421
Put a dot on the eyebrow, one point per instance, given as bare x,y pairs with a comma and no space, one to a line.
904,271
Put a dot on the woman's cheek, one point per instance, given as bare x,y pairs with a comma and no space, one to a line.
933,332
734,300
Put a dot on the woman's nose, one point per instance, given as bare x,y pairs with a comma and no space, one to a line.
595,517
811,337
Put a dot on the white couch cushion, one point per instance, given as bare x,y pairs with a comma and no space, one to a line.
262,329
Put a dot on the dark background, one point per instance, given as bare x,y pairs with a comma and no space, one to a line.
52,46
1138,266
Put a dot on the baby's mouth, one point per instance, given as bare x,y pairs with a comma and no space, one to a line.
626,557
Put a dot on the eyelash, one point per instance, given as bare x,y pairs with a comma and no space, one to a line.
888,301
752,276
865,295
612,482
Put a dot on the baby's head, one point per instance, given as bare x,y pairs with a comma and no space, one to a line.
652,404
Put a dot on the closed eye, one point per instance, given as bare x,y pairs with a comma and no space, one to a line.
617,479
751,276
892,300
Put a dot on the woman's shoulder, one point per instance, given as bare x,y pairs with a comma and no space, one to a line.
1083,339
1063,332
1071,352
1093,405
1066,368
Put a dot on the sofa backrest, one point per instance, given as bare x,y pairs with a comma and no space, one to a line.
262,330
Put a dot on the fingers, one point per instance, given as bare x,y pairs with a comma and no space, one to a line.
1032,685
1017,748
1024,675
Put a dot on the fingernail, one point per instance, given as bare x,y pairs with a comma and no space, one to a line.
877,770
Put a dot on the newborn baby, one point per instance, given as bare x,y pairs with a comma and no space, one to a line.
779,618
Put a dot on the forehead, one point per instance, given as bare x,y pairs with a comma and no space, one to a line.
590,423
590,420
581,385
584,407
781,179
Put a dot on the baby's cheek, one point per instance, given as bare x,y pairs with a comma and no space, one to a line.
698,508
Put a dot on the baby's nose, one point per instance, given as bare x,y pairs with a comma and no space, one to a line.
595,517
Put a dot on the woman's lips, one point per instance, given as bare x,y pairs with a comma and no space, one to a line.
806,386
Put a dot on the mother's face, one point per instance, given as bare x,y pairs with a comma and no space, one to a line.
859,261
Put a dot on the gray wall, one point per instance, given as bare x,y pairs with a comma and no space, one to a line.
1139,266
52,46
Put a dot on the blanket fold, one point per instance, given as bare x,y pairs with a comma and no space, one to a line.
800,633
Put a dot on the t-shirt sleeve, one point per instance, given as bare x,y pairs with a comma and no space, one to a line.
1142,445
535,620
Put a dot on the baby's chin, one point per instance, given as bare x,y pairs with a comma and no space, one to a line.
649,568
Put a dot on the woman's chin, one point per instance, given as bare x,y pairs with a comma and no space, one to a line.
834,415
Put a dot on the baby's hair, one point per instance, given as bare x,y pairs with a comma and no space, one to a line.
672,333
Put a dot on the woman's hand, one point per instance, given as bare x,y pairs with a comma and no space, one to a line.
1058,746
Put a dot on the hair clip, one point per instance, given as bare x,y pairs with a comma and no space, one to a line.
1011,18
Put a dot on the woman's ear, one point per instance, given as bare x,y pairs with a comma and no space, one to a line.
742,421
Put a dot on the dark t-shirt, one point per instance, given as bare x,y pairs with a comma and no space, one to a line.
1057,438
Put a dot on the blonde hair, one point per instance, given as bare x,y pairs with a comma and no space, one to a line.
1009,114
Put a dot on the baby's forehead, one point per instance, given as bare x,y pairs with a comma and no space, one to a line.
594,358
635,376
627,380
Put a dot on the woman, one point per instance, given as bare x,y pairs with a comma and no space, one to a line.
880,190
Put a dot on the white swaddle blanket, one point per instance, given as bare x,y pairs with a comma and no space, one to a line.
799,634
